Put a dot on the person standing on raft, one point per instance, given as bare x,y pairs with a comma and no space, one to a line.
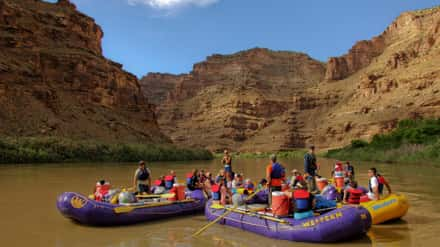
310,168
142,179
227,162
275,176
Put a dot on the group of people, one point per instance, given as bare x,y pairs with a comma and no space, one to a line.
230,187
142,181
224,185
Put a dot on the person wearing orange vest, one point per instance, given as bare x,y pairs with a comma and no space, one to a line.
275,176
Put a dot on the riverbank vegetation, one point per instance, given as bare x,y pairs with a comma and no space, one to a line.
291,154
46,150
411,141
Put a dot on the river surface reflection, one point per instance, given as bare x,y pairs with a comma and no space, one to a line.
30,218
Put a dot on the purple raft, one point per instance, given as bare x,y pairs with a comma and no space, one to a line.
337,225
90,212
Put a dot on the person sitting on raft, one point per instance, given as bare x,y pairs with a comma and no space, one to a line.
193,183
201,176
262,185
295,179
159,186
209,182
225,193
339,168
375,184
101,189
220,176
349,170
238,181
303,202
142,179
170,180
229,181
248,185
352,194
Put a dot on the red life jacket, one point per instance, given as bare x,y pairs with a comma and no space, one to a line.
101,190
157,182
355,196
338,167
169,182
215,188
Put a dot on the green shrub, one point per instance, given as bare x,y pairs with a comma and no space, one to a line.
412,140
359,143
39,150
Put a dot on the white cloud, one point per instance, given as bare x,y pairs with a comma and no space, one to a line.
172,4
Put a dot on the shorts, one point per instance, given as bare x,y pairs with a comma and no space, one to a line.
228,168
143,188
371,196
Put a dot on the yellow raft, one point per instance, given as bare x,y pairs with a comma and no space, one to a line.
391,207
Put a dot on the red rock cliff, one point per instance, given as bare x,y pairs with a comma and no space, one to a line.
410,24
54,80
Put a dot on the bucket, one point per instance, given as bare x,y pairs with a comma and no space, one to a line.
303,215
173,191
280,204
339,182
355,196
180,191
321,183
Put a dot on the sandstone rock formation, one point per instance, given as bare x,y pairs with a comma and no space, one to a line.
261,100
230,100
54,80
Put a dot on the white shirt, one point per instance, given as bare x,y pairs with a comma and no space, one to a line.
374,184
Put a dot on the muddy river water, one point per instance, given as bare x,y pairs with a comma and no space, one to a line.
29,216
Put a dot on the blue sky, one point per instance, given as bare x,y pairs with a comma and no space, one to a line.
171,35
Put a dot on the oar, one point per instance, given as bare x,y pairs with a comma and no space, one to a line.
212,222
168,195
253,212
127,209
222,216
